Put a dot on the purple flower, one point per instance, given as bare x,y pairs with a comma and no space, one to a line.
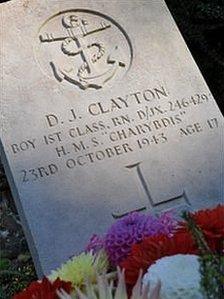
132,229
96,243
168,222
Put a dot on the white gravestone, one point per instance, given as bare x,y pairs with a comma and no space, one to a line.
103,112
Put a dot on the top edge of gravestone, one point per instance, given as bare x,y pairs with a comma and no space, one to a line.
59,6
26,3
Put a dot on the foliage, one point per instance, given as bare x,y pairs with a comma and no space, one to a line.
16,265
212,270
15,277
211,264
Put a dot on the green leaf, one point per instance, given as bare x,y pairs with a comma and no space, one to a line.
5,264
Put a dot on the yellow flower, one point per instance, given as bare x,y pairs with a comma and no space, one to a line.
82,268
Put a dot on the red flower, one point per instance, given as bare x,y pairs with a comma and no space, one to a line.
151,249
211,223
44,289
211,219
144,254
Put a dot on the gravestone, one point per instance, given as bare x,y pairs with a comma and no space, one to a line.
103,112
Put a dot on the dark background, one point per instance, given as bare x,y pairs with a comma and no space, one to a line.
201,23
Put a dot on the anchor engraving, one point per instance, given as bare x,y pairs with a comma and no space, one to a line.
98,64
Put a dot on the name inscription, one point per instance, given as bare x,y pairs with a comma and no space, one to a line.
112,128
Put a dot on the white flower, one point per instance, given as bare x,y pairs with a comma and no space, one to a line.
179,275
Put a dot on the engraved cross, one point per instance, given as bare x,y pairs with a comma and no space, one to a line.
153,204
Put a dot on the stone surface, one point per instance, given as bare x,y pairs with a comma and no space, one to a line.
103,112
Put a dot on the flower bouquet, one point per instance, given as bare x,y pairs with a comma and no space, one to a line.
144,256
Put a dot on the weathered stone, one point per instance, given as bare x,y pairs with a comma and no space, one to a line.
103,112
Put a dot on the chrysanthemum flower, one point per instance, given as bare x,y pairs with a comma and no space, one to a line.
131,229
144,254
179,275
107,288
211,222
85,266
44,289
95,244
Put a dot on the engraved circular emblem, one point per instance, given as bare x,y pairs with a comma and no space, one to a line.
84,48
